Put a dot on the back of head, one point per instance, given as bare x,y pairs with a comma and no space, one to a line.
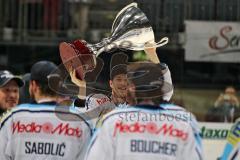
40,72
24,91
148,81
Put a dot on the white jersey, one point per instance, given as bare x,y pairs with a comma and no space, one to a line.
188,116
96,106
36,131
143,132
122,105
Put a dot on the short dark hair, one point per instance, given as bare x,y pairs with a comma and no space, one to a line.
117,70
118,64
45,89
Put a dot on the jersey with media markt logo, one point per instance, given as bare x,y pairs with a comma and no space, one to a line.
187,116
143,132
43,132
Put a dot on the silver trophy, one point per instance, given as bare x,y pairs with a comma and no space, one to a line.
130,30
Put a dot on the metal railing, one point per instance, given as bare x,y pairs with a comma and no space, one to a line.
46,22
41,21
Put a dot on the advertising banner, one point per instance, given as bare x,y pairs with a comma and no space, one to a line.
214,138
212,41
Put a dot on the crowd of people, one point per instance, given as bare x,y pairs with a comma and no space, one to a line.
135,121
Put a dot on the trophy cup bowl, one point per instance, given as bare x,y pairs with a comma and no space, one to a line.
130,30
78,57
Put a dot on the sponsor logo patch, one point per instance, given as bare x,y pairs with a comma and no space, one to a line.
151,128
101,101
46,128
213,133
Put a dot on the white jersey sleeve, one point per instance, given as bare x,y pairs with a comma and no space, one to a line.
101,146
189,148
5,143
96,106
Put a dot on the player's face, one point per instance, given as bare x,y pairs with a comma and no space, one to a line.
9,95
119,85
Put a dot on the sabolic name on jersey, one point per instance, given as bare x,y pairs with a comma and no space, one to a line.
45,148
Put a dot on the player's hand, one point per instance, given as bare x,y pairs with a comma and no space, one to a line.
149,47
150,50
75,80
81,84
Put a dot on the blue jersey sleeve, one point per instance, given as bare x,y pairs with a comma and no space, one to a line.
231,150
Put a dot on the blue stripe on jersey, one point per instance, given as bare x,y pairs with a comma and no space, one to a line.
172,107
93,140
227,150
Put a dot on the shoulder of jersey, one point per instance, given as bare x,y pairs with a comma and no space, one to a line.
33,107
236,128
5,115
234,134
178,109
10,112
27,107
170,106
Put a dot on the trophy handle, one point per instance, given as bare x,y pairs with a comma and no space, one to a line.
161,43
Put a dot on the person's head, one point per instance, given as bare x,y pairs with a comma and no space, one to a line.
118,81
230,90
118,76
38,86
9,89
148,83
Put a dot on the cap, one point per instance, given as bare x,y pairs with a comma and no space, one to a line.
41,70
118,69
6,76
118,64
